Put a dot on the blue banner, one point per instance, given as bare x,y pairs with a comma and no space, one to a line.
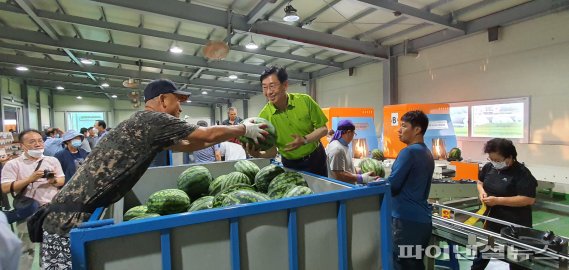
440,133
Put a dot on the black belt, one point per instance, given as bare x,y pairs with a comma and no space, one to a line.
305,157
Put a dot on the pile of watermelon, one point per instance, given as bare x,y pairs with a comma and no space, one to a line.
247,184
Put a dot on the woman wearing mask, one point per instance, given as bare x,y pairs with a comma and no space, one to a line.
73,155
507,188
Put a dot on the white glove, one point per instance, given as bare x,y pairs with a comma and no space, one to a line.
254,131
366,178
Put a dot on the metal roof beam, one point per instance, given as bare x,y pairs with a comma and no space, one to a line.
308,20
103,24
46,28
475,6
59,65
352,19
259,10
404,32
380,27
417,13
356,62
210,16
128,51
520,12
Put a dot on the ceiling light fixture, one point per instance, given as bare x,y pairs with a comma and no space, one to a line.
114,96
188,101
290,14
87,61
59,87
176,49
233,77
105,84
79,97
22,68
252,45
204,92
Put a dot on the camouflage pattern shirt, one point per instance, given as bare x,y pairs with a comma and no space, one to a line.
115,165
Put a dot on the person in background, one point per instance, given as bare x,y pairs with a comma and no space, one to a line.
53,141
73,155
100,128
207,154
410,180
339,156
230,151
508,189
10,246
27,174
233,119
84,143
91,137
120,160
299,124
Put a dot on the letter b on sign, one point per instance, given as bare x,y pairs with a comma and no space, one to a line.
394,119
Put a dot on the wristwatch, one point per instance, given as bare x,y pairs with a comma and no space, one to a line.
305,140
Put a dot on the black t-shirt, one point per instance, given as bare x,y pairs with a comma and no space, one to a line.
116,164
512,181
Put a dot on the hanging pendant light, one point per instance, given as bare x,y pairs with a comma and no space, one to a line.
251,45
290,14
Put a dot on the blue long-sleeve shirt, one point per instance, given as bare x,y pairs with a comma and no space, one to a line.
410,181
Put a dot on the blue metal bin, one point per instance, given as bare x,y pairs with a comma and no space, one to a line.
341,226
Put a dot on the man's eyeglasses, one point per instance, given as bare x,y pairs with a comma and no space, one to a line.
34,142
271,86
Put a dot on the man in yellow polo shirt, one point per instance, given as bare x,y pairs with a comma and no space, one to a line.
299,123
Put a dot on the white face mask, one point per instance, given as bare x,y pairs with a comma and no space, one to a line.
35,153
499,165
76,143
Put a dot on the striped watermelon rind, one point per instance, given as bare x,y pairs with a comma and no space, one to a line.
372,165
455,154
233,179
286,178
195,181
221,195
265,176
298,191
203,203
135,212
377,155
215,185
279,191
269,141
168,201
248,168
243,197
143,216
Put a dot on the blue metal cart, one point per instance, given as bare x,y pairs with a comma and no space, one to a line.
341,226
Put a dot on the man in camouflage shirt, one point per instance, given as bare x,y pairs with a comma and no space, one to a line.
121,158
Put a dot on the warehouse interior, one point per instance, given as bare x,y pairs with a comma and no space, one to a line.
63,57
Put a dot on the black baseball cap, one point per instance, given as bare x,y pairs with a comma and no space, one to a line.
159,87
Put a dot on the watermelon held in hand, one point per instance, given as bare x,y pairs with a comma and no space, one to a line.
377,155
195,181
455,154
372,165
270,139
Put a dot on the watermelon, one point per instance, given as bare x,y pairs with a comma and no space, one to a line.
372,165
278,191
203,203
219,197
287,178
147,215
233,179
195,181
135,212
377,155
298,191
215,185
248,168
270,139
455,154
265,176
243,197
168,201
